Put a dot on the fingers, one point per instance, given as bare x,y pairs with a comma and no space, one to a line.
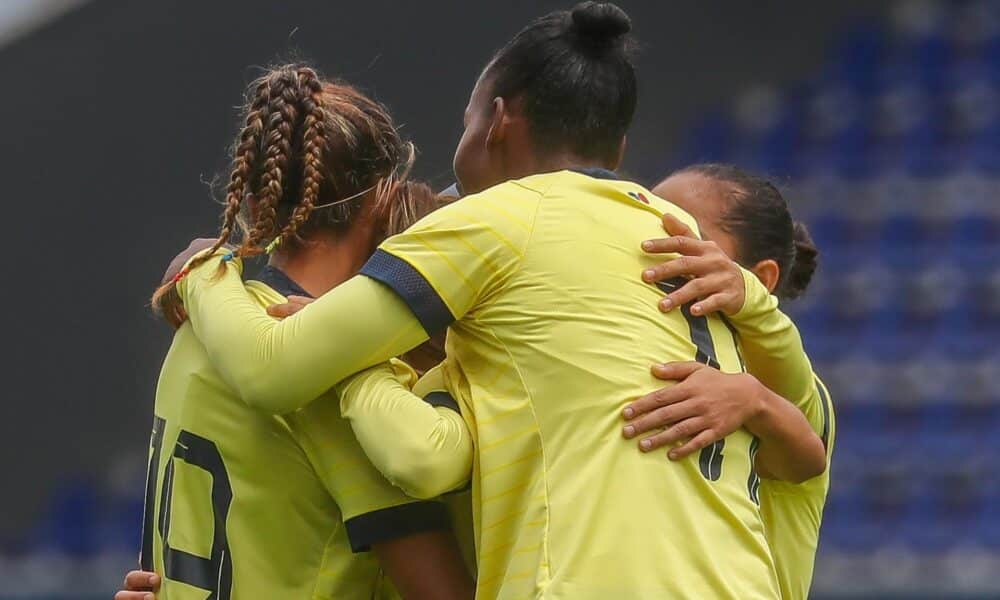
654,400
677,432
704,439
679,267
660,418
124,595
141,581
679,244
282,311
289,308
700,287
675,226
676,371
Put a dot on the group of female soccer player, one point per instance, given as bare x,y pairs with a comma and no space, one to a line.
299,458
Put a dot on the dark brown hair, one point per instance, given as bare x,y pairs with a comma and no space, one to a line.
758,216
574,72
312,154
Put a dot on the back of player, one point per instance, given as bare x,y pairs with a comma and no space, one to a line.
567,508
241,504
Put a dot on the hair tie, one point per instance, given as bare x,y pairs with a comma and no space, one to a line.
228,256
274,244
180,275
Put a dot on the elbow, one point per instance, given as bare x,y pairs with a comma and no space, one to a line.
419,475
812,465
425,469
257,394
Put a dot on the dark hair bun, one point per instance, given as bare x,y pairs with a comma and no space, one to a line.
803,265
600,21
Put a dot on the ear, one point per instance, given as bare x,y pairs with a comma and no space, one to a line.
498,122
768,272
621,154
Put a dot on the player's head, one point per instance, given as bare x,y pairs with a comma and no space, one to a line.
314,157
749,219
563,88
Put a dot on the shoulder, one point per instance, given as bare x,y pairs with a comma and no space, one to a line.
507,204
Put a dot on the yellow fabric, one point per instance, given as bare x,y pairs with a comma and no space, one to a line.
423,449
773,350
294,480
554,332
774,353
459,502
792,516
265,360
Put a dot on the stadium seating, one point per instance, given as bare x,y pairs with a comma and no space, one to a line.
892,156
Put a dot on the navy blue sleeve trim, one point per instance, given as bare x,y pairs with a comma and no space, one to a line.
826,414
442,399
432,312
388,524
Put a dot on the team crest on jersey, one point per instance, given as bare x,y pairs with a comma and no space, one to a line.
639,196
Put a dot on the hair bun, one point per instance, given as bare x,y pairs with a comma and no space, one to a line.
600,21
803,265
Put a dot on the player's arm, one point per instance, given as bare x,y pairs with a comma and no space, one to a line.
415,285
280,366
412,538
705,405
426,566
771,344
421,445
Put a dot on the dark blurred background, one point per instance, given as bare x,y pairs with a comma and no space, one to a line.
881,118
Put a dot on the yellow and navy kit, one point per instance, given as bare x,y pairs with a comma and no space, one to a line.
245,504
551,331
792,513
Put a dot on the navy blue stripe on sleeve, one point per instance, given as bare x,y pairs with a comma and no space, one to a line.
442,399
388,524
826,414
432,312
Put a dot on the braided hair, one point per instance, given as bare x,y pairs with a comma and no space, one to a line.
312,154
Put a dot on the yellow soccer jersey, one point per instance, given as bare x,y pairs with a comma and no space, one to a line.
773,349
551,332
245,505
555,331
793,512
416,438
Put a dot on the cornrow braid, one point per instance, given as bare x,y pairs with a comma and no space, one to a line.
313,143
282,110
312,155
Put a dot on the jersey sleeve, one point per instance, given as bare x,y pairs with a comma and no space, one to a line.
280,366
773,351
374,511
457,256
420,444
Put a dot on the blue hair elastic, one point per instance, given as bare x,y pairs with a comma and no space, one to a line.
228,256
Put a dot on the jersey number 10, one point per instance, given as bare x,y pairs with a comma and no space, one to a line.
215,573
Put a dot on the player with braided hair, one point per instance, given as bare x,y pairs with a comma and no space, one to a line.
244,504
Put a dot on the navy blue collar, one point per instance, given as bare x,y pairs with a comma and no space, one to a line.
276,279
597,173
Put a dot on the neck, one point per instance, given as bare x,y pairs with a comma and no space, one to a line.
557,162
325,261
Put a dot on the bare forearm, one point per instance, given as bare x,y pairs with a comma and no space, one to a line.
426,566
789,448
